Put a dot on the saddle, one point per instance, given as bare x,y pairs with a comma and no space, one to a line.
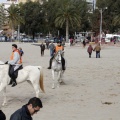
12,73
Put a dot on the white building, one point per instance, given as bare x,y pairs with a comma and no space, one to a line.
92,5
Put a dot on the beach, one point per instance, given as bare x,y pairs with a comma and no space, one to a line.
91,90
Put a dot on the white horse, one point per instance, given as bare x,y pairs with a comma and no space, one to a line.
31,74
57,67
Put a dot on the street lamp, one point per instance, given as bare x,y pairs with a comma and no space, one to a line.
101,11
18,33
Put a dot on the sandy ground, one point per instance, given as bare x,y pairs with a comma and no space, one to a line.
91,90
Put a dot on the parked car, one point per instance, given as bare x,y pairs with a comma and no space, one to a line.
28,40
80,39
3,39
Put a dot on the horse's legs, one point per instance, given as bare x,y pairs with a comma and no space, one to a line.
53,76
36,88
4,94
58,78
3,89
61,77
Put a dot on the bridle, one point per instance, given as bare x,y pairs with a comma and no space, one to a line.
58,61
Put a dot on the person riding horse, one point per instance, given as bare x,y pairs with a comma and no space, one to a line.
15,64
57,48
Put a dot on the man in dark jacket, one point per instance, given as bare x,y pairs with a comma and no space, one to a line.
42,46
27,110
2,115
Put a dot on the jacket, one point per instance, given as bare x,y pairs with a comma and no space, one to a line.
57,48
90,49
42,46
21,114
2,115
15,59
97,48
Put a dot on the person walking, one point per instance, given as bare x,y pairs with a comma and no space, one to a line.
15,64
47,44
89,50
84,43
51,47
33,106
71,41
97,49
42,46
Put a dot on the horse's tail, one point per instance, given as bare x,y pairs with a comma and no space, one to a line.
41,80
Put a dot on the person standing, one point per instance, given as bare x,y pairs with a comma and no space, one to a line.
84,43
97,49
15,64
71,42
33,106
42,46
47,44
89,50
51,47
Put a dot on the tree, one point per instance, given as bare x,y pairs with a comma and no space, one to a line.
2,16
67,14
13,16
32,14
111,16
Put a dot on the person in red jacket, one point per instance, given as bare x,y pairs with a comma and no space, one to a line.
89,50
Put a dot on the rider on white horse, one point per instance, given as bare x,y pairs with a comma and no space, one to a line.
15,64
57,48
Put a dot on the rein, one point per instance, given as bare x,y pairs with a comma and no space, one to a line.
57,60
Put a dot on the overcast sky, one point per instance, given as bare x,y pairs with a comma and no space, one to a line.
2,1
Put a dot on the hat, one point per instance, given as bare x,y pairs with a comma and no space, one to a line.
59,41
14,45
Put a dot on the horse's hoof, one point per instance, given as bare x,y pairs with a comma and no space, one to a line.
4,104
53,86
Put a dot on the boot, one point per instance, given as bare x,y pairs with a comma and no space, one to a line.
14,83
63,67
50,64
63,64
11,81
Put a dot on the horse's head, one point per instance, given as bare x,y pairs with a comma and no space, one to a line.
57,56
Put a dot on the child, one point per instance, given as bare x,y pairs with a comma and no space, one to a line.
21,51
89,50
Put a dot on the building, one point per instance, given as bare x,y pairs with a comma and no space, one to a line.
23,1
92,5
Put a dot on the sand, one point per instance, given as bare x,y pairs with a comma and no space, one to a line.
91,90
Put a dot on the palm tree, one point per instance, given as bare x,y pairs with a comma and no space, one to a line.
13,16
67,13
116,20
2,16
